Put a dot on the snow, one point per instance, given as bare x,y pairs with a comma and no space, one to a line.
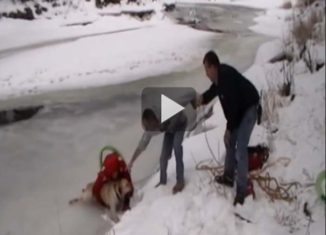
42,31
136,54
74,9
273,23
199,209
55,27
128,50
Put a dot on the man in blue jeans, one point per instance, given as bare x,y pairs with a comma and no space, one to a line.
174,129
240,102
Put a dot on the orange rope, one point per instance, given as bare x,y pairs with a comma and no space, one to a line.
269,184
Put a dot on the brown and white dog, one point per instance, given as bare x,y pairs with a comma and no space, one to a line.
112,193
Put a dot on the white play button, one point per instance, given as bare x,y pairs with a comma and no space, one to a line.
169,108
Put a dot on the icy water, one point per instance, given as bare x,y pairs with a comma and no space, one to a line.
45,161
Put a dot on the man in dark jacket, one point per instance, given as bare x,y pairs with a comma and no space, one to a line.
239,99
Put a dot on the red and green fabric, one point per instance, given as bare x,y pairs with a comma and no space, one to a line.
113,167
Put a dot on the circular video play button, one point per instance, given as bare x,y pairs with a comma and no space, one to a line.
169,104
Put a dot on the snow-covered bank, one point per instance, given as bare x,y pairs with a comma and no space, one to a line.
298,134
103,60
72,9
76,22
114,50
46,31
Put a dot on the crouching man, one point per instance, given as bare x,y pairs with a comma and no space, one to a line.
174,129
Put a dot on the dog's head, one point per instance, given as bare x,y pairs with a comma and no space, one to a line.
124,187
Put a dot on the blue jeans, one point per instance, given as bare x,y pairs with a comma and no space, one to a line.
237,153
172,140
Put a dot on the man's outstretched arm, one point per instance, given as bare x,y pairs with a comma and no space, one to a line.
205,98
143,143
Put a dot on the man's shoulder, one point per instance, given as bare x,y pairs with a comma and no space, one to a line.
227,69
231,75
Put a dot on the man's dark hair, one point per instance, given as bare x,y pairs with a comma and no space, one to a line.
211,58
148,114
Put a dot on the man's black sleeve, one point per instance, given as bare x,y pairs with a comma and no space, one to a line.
209,95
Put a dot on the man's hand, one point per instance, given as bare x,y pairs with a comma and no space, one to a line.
130,165
227,137
197,101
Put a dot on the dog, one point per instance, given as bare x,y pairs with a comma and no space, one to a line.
112,195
